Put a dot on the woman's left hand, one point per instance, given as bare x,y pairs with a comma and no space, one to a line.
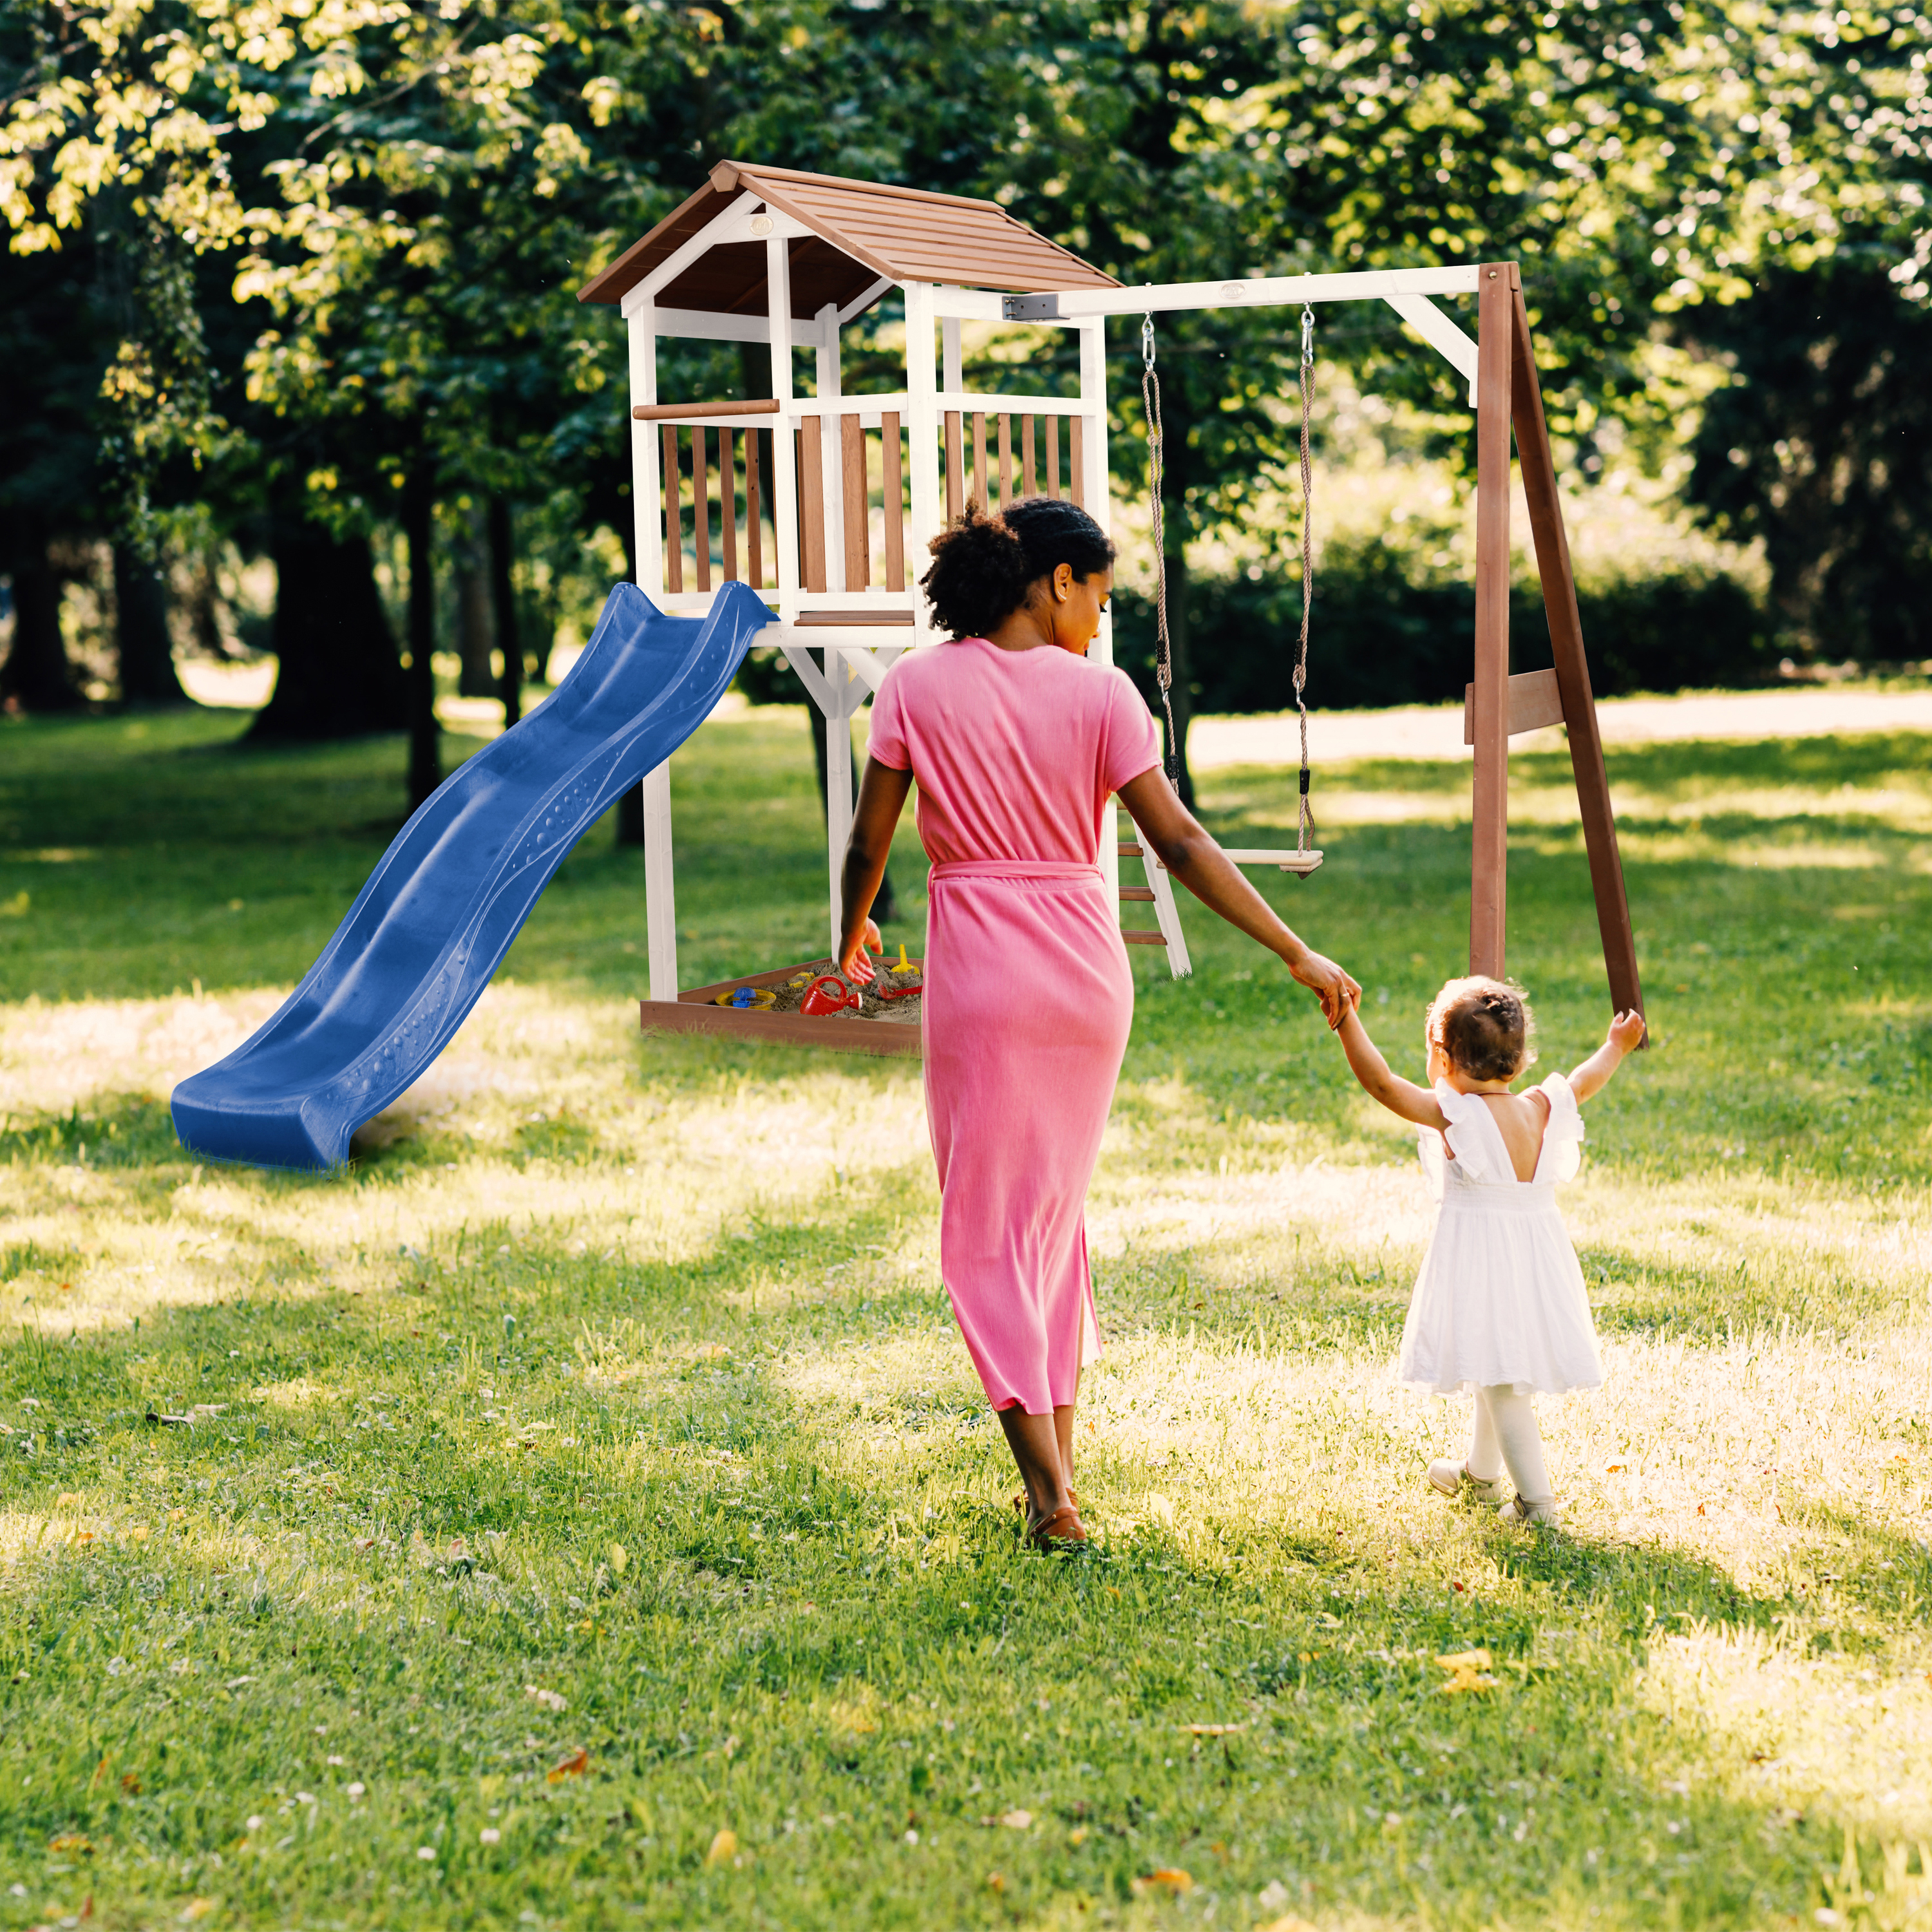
1336,989
856,967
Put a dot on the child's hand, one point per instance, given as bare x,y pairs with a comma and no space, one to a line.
1627,1031
856,967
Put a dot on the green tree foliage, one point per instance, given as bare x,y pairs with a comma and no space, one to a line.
1821,446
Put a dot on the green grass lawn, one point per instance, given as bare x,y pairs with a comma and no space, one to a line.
585,1515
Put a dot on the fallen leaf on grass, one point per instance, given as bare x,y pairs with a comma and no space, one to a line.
995,1882
723,1848
1078,1837
1469,1670
66,1499
574,1766
1212,1730
1169,1878
619,1559
1017,1821
551,1700
71,1841
196,1908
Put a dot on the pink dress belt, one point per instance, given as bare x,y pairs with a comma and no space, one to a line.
1015,869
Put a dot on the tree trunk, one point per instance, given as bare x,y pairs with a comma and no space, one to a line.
475,634
503,594
141,628
338,674
425,751
36,676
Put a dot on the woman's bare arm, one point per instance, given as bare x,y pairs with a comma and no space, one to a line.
1402,1097
882,797
1187,851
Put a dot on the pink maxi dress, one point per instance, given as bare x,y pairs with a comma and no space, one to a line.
1029,996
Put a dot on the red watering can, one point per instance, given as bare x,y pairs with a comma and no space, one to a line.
827,995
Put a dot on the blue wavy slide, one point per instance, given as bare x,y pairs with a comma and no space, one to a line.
439,912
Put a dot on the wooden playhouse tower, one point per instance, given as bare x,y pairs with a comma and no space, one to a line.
850,488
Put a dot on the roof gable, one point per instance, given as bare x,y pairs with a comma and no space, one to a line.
861,233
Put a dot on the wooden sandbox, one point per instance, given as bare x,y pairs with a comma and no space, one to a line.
698,1011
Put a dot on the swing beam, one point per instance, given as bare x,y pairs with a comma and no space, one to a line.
1500,365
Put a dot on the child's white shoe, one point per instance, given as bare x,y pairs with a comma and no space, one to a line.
1544,1515
1453,1478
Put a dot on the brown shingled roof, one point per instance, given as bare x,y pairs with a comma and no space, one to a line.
862,233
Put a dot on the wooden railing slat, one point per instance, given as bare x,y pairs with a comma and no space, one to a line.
1076,486
674,548
765,406
1053,456
1006,460
981,495
858,518
1028,487
956,470
727,497
891,482
700,506
754,536
811,503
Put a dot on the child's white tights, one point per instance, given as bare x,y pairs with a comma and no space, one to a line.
1506,1436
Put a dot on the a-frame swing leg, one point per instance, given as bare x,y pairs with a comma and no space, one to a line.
1572,670
1488,855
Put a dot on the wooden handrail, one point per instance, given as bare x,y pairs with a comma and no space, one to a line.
763,406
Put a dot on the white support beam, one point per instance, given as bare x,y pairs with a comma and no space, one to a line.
831,449
674,264
784,478
969,304
848,693
860,303
660,899
646,479
922,437
950,377
1254,291
1441,333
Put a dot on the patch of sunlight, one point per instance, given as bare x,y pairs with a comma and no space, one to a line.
299,1393
1780,1725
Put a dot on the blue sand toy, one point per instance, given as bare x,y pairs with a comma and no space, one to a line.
439,911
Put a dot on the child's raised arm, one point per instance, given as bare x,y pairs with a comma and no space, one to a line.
1402,1098
1594,1075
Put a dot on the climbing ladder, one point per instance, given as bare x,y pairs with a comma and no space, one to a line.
1158,893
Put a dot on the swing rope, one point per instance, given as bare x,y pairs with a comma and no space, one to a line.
1306,820
1163,653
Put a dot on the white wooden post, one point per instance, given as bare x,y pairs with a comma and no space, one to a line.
953,379
831,450
646,482
923,438
785,461
847,692
660,896
1099,507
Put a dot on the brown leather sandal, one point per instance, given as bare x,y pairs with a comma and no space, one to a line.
1062,1530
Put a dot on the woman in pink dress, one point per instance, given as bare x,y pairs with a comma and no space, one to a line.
1017,741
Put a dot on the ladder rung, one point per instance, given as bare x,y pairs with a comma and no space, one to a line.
1137,892
1142,938
1130,851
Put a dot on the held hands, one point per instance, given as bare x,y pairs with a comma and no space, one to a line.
1338,992
855,966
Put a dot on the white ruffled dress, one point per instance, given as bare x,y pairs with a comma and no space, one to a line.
1500,1298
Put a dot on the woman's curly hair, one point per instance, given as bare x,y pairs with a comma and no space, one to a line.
985,567
1484,1027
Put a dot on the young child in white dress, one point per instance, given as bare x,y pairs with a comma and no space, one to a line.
1499,1308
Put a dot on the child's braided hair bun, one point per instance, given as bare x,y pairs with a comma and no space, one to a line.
983,567
1484,1026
